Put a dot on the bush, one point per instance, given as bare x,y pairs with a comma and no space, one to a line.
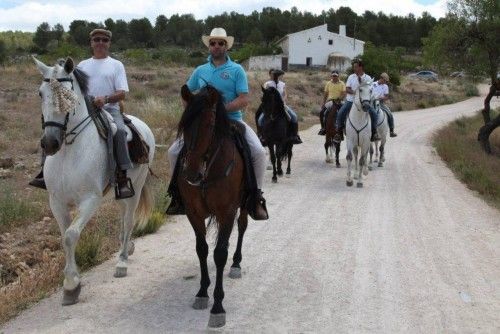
87,249
377,60
471,90
13,209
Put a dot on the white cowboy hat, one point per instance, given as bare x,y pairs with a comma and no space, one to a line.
218,33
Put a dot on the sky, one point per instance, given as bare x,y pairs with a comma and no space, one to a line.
27,15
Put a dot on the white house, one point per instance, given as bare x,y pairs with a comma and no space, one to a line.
314,47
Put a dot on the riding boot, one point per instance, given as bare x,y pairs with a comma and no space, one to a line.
375,136
322,131
295,138
38,181
123,188
256,206
176,206
392,133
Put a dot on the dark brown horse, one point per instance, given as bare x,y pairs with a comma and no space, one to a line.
275,130
211,183
330,133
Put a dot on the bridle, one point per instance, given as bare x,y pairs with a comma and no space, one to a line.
63,126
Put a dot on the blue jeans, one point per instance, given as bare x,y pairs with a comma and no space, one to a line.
390,118
344,111
291,113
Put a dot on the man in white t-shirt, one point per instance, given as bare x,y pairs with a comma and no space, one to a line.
351,85
381,92
108,85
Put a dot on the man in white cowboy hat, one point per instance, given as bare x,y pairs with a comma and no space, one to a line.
381,92
230,80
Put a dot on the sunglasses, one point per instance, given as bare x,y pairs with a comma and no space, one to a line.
100,39
221,43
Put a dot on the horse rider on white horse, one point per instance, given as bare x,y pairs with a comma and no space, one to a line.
381,92
352,84
108,84
334,92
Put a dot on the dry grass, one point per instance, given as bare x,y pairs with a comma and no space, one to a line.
154,98
458,146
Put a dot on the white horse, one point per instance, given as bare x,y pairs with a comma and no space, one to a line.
76,169
358,133
382,131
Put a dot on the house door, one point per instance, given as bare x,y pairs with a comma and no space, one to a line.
309,61
284,63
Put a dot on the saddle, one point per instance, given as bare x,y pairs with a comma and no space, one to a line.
138,148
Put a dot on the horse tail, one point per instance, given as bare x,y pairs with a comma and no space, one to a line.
281,151
145,206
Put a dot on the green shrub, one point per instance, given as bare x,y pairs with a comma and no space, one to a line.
471,90
13,209
87,249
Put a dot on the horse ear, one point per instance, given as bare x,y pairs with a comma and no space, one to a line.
69,65
213,96
41,66
186,93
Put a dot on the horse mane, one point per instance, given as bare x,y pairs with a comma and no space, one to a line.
83,80
274,93
197,104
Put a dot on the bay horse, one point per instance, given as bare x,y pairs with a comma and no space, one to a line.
358,133
275,130
211,183
382,131
76,169
330,133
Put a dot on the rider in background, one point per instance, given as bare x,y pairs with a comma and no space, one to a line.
381,92
275,82
353,82
334,92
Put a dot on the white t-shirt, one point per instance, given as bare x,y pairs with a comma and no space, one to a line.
106,76
280,87
353,83
380,90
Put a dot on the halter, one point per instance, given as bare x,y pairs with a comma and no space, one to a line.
64,95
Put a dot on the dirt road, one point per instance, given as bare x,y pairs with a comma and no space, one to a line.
413,251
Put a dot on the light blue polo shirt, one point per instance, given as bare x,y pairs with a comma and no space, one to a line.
229,79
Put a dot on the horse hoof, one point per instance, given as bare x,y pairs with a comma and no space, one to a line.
275,180
235,272
269,167
70,297
120,272
370,168
365,172
200,303
349,183
380,164
217,320
337,165
329,161
359,185
131,248
280,173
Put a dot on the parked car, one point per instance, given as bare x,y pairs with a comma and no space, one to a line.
425,75
459,74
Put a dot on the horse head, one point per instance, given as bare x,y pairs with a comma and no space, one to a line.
363,95
203,122
59,97
272,103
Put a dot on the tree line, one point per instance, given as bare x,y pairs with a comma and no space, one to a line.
261,28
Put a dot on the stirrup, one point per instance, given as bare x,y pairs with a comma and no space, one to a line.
122,195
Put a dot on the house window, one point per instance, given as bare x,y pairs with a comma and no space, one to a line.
319,37
309,61
330,42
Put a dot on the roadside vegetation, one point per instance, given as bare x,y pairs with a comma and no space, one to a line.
458,146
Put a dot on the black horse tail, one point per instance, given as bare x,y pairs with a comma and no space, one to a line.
282,151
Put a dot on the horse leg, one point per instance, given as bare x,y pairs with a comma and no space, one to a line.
198,224
273,161
349,181
128,207
382,156
217,313
288,169
278,161
63,218
362,166
356,161
72,283
328,159
337,152
235,271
